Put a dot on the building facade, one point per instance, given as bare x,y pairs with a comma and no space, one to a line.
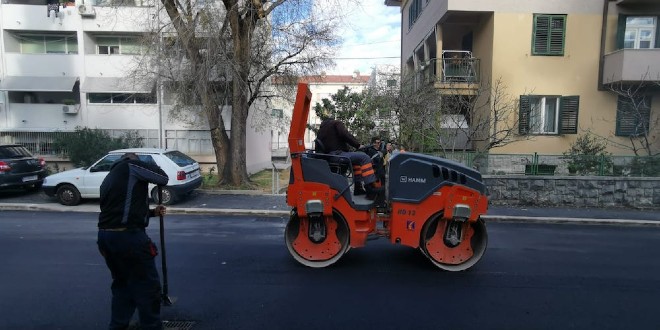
322,87
73,65
572,66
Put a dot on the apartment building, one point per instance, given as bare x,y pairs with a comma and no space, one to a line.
65,65
571,65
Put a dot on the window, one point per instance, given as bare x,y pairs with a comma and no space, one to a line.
549,35
123,98
633,115
147,159
118,45
33,44
277,113
640,32
548,114
104,164
414,10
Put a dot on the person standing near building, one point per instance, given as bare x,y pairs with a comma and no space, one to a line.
388,152
122,240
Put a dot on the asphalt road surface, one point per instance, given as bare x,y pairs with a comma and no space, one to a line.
236,273
203,199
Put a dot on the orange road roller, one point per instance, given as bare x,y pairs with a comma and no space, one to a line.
429,203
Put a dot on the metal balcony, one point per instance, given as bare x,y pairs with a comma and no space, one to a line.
456,72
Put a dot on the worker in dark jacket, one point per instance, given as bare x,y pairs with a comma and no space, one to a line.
123,242
336,139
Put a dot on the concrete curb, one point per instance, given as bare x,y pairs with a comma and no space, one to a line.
574,221
53,207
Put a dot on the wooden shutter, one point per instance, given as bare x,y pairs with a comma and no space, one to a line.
541,34
549,35
621,31
568,114
557,30
523,115
632,120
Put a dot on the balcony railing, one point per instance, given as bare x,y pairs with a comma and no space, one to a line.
452,67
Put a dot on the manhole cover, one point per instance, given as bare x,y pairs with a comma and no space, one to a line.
178,325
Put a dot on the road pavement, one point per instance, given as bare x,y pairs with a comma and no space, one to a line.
257,204
231,272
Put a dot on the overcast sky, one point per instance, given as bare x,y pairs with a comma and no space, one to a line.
372,37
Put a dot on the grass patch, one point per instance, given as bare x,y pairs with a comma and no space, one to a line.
261,181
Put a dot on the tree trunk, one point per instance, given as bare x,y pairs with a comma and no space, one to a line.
236,172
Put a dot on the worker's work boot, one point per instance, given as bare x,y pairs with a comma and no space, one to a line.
374,192
358,189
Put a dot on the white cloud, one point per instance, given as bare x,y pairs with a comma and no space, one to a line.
371,36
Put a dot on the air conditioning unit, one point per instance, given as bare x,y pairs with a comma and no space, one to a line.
86,10
70,109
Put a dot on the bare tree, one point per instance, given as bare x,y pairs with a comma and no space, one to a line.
429,119
487,119
634,118
217,58
404,107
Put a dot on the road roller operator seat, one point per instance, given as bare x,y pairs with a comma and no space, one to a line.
338,164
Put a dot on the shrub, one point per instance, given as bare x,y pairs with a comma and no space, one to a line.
645,166
86,145
587,156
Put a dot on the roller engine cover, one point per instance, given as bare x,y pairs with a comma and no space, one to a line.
413,177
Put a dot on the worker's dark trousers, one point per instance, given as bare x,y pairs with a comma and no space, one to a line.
362,168
135,282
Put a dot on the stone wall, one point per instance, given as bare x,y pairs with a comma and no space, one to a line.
573,191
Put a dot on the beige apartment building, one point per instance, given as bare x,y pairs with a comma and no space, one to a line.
564,62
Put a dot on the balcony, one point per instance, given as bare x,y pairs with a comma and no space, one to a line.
456,73
631,66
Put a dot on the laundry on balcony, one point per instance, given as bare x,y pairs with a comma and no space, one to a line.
53,5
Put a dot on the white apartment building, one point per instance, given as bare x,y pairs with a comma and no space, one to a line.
321,86
64,67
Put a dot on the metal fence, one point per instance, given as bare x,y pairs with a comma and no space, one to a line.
192,142
198,142
43,143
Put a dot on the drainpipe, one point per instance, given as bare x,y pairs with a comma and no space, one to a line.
603,37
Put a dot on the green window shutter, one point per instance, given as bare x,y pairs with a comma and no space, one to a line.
633,116
557,35
549,35
541,35
621,31
523,115
568,114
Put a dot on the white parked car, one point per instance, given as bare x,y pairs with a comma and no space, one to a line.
69,187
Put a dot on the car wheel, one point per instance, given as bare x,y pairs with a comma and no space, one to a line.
168,196
68,195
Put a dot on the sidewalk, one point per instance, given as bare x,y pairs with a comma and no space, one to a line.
257,204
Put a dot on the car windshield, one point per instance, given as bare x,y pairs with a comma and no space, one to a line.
180,158
104,164
14,152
